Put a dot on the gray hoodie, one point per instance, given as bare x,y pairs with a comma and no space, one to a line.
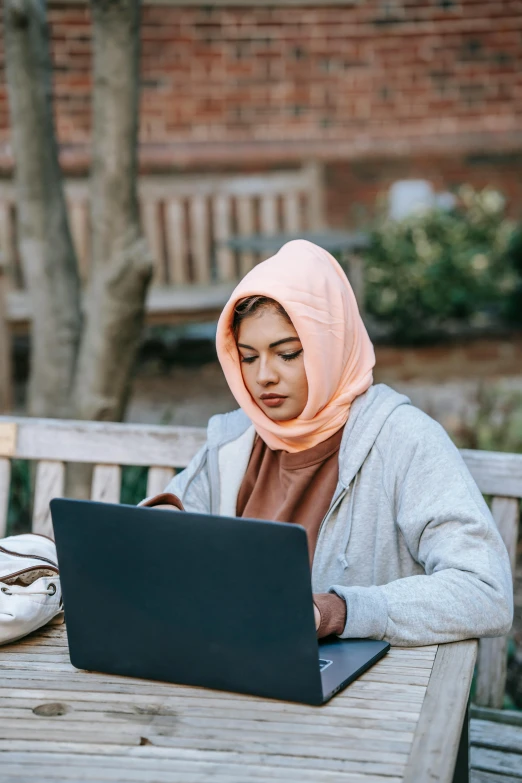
408,540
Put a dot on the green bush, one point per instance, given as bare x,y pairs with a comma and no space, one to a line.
497,422
20,498
442,267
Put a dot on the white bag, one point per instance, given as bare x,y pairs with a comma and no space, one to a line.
30,592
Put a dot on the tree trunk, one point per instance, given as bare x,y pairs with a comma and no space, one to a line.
121,263
46,249
6,368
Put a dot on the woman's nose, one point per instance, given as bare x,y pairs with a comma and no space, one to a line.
266,373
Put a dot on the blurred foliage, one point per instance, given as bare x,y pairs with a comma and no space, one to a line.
133,484
441,267
497,423
20,498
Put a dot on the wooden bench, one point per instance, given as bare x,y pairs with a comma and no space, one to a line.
108,446
187,221
402,721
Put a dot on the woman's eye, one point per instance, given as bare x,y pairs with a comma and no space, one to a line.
248,359
289,356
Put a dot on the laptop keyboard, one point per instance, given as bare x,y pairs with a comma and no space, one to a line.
324,664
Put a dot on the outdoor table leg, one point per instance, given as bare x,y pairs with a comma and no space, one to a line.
461,774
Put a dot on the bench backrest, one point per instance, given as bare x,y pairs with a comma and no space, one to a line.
109,446
188,218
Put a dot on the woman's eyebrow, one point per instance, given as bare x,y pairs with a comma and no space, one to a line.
272,345
284,340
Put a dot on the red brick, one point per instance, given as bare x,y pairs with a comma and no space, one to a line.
437,79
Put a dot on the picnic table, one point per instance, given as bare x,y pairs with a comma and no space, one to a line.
399,722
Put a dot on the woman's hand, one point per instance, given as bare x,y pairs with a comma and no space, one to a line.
317,616
169,506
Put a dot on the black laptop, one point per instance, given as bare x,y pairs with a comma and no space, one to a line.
196,599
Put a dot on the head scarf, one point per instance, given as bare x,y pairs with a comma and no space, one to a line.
338,354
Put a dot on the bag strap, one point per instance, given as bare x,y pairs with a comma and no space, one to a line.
29,557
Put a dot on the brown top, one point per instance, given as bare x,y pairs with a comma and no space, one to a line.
299,487
287,487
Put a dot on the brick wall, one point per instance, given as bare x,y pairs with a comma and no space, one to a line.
354,187
419,85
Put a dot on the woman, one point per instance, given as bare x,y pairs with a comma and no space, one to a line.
402,545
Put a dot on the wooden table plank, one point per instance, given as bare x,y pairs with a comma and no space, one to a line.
376,675
58,723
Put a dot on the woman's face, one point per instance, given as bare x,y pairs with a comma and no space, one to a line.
272,364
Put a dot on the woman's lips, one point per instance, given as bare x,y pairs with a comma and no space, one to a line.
273,402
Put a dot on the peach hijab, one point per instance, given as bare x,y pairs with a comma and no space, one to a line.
338,354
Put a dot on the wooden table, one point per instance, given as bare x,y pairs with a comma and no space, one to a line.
400,721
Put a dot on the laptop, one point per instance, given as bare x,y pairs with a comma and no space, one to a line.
196,599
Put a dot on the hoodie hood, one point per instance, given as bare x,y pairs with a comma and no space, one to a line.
368,415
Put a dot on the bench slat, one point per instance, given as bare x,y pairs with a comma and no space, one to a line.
176,241
50,483
313,172
268,214
506,514
496,473
102,442
162,301
152,228
199,238
291,213
246,227
222,216
491,677
106,483
206,185
497,762
157,480
5,479
37,440
500,736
